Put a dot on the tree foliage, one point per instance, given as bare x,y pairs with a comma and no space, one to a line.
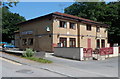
9,21
9,3
107,13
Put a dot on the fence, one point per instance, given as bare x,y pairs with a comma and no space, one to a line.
110,51
87,52
106,51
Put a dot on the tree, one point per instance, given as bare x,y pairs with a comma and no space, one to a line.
9,21
9,3
101,12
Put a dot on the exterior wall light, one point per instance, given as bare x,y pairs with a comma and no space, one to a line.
58,35
105,30
82,37
96,37
50,35
56,20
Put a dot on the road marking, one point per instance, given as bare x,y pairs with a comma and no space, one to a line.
10,61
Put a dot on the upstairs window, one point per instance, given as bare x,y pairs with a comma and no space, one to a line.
98,29
63,24
72,25
88,27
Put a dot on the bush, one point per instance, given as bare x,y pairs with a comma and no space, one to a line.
28,52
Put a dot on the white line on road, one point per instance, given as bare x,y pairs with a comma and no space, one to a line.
10,61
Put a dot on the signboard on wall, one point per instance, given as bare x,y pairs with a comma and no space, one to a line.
27,32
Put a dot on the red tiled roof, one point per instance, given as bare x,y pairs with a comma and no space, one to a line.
68,15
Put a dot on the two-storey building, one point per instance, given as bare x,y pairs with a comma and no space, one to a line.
60,29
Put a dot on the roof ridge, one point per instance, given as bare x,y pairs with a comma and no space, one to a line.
75,16
67,15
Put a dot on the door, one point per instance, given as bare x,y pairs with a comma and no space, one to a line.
89,43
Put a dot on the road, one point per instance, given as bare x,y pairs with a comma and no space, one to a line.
60,68
13,69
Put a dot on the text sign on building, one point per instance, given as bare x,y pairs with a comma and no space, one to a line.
27,32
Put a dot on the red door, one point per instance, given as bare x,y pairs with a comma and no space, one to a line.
89,43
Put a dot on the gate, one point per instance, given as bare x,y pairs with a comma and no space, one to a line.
87,52
106,51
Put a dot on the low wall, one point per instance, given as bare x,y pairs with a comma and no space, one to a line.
68,52
115,52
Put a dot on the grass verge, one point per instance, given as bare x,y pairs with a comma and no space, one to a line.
41,60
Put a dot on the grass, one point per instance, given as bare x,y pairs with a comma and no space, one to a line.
41,60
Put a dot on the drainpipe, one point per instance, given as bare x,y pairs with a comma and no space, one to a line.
78,33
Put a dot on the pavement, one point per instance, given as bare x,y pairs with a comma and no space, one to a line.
59,68
108,67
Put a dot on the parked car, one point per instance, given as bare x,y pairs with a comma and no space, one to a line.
3,43
9,46
6,45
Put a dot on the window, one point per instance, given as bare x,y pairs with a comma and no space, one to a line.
24,41
30,41
63,24
72,25
64,42
98,43
72,42
98,29
102,43
88,27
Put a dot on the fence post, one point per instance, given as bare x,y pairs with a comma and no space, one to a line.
115,51
81,54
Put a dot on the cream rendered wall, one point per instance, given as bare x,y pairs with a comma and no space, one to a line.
84,40
93,33
68,33
103,34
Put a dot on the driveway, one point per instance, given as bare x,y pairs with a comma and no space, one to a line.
107,67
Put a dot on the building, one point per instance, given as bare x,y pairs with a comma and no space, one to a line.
60,29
